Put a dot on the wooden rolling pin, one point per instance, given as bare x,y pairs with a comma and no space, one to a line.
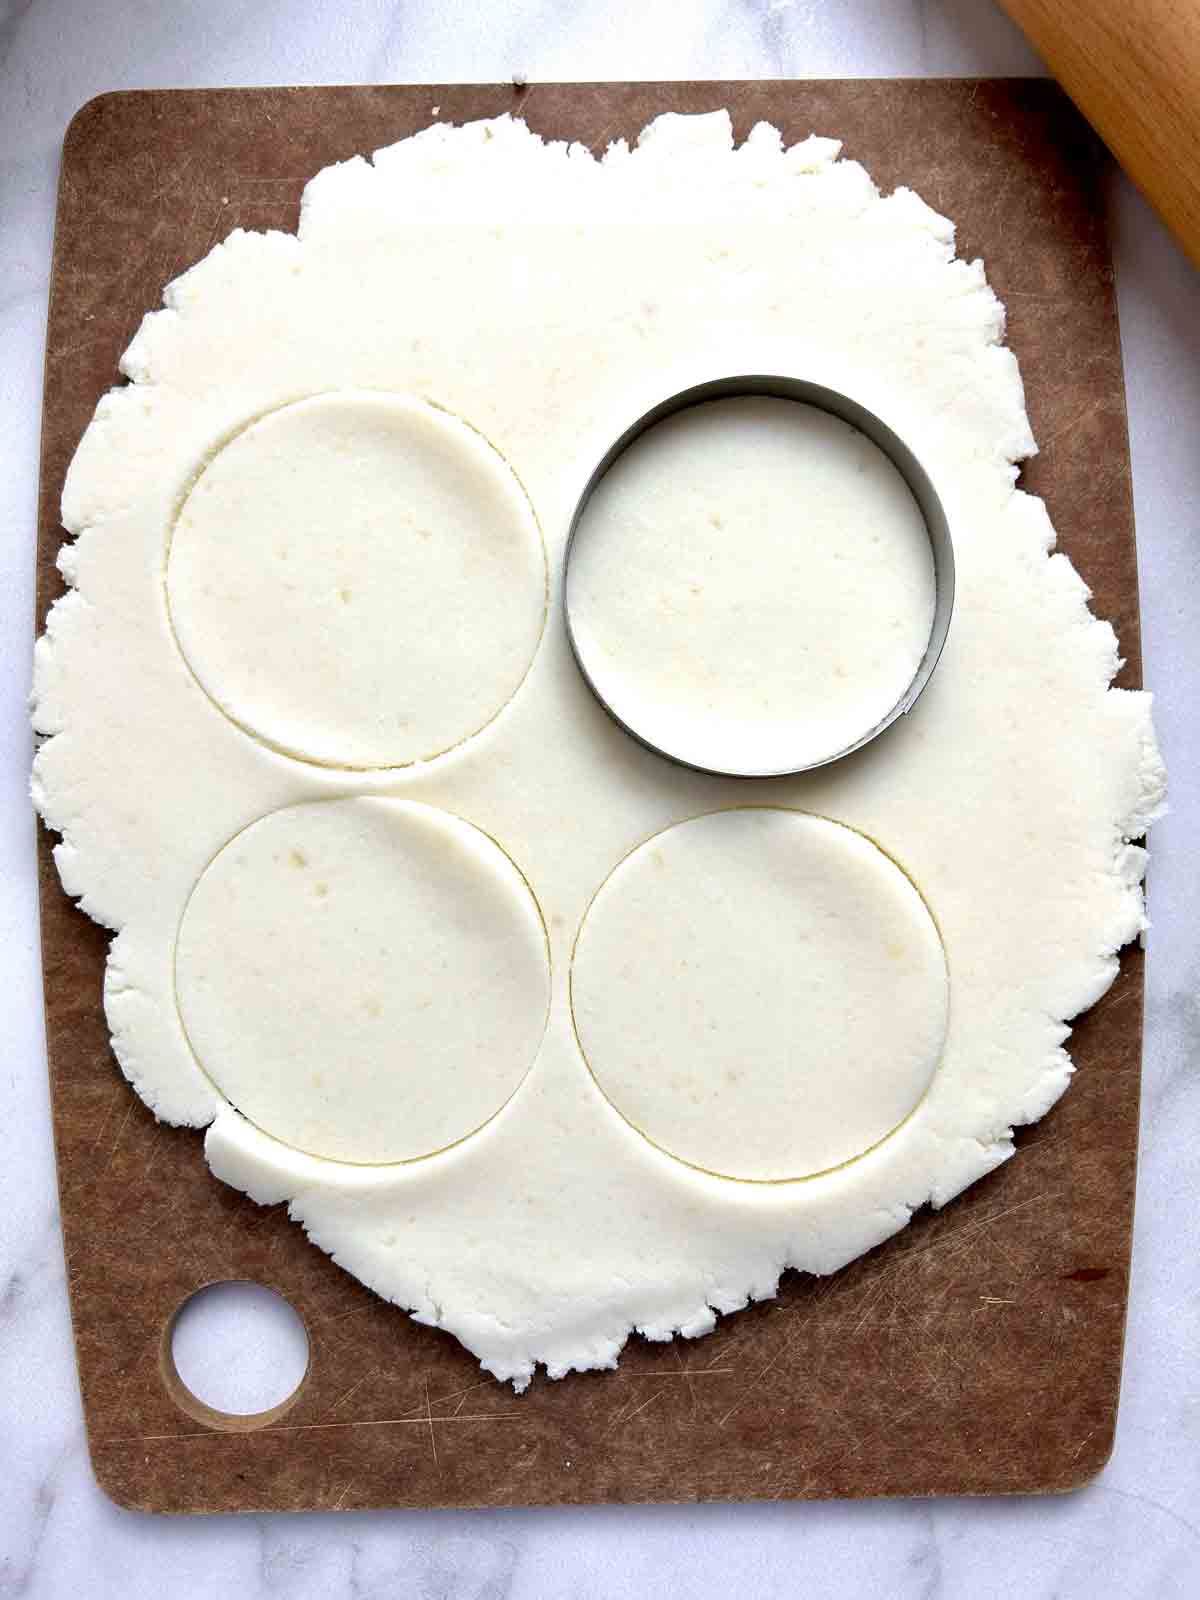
1133,69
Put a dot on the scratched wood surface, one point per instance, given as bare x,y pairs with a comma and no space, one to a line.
980,1350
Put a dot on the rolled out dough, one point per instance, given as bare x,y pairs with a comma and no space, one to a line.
547,298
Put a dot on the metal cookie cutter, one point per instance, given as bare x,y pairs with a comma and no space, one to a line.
781,387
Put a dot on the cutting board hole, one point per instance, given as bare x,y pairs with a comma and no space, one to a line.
235,1355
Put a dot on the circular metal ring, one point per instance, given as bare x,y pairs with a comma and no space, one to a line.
781,387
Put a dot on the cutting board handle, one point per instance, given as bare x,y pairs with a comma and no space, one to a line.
1133,69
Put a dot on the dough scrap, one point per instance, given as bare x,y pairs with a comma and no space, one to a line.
569,295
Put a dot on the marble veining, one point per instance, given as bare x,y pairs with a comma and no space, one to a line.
1136,1531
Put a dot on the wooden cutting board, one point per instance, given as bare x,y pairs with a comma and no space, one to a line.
977,1352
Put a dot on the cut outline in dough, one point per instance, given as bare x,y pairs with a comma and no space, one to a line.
313,1155
695,1166
218,447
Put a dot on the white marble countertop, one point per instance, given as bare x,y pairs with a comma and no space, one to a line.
1136,1531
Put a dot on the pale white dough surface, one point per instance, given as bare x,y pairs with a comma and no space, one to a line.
358,579
751,585
761,992
365,979
566,298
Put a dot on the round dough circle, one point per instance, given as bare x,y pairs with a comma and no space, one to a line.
751,586
358,580
365,979
762,993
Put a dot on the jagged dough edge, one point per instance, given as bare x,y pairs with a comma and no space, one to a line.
668,175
